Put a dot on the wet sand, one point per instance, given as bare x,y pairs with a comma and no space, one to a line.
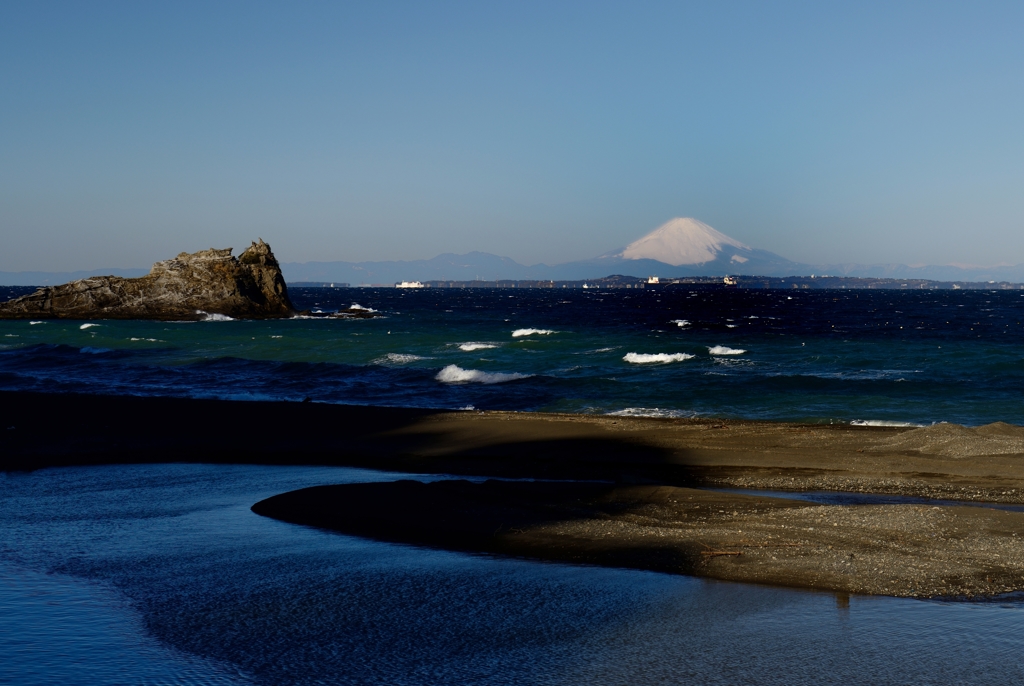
653,513
900,550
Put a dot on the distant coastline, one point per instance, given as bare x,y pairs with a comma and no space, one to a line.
768,282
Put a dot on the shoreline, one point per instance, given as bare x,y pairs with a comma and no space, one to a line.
915,551
654,512
943,461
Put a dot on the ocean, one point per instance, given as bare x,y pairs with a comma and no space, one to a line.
824,356
160,574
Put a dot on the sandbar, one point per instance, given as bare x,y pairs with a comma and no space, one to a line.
658,510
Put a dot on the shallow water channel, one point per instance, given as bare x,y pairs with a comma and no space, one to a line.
161,574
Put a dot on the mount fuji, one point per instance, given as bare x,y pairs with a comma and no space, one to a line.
685,246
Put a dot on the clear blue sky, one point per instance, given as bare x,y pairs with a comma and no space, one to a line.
888,132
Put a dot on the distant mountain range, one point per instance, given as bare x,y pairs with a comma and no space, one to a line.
680,247
57,278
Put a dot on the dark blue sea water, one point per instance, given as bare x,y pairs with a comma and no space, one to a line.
160,574
814,355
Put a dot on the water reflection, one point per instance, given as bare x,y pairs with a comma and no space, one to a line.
176,548
843,601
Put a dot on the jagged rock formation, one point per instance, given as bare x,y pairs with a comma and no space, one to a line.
189,286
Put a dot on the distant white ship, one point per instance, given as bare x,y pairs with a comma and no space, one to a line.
409,284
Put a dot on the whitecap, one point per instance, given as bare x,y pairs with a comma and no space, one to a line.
151,340
12,335
724,350
651,412
680,322
472,345
207,317
398,358
276,336
656,358
518,333
86,326
357,306
35,322
881,422
456,374
731,326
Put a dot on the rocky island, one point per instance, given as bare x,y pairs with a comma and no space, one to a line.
190,286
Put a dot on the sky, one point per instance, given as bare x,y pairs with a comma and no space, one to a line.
546,132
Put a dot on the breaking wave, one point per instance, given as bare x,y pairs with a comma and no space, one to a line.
472,345
724,350
656,358
207,317
86,326
518,333
456,374
681,322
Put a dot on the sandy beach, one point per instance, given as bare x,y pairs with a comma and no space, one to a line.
654,511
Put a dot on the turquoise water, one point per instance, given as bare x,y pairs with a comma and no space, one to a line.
161,574
823,356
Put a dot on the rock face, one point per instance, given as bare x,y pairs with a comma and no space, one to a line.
189,286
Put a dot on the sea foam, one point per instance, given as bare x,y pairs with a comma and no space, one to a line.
724,350
655,358
214,317
398,358
518,333
881,422
456,374
681,322
35,322
86,326
472,345
651,412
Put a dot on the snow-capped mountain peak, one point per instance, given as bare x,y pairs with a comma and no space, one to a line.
681,241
